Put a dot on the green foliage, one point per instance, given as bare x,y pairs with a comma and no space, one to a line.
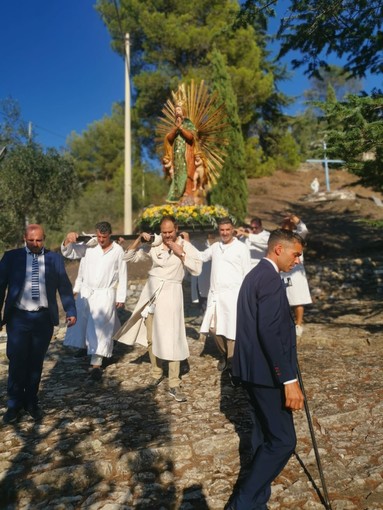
355,134
13,129
308,128
287,157
99,151
34,186
171,42
231,190
317,28
341,82
257,163
99,161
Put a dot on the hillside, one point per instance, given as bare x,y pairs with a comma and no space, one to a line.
333,218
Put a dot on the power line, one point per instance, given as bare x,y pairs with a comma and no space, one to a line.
50,131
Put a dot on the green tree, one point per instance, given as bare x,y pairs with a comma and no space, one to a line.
317,28
170,43
307,128
99,151
98,154
231,190
342,83
355,134
34,188
13,129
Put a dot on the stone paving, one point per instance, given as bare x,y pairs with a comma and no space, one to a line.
122,444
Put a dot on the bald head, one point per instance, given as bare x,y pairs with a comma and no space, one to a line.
34,237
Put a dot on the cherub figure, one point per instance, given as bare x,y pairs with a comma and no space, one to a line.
199,176
167,167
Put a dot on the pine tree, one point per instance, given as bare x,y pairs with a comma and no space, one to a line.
231,189
355,133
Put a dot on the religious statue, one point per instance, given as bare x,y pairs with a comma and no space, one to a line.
315,185
193,143
179,146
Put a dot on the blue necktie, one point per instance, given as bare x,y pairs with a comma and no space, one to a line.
35,277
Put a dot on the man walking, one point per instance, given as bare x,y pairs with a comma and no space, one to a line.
102,289
158,318
265,361
230,262
31,276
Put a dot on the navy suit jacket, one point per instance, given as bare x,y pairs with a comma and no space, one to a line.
12,277
265,346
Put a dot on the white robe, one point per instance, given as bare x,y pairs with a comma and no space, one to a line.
230,264
257,245
101,283
163,292
199,285
297,287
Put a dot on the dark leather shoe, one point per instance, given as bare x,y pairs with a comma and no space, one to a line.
80,353
96,374
35,412
11,415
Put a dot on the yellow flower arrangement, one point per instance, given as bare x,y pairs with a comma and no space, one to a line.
186,215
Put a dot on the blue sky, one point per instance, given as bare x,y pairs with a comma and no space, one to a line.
56,61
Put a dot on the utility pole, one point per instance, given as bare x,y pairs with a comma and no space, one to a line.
128,151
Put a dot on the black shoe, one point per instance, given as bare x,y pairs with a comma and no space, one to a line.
222,364
35,412
96,374
11,415
80,353
234,381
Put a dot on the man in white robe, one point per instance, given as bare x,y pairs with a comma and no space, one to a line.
101,290
256,240
158,318
230,263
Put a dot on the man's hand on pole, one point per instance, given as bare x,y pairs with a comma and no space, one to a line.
294,398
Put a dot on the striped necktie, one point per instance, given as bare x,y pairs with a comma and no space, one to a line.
35,277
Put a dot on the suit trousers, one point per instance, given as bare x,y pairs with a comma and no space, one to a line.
157,363
273,442
29,335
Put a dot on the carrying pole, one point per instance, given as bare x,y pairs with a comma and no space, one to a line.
326,498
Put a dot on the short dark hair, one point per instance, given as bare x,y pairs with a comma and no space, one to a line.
104,227
256,220
168,217
284,235
225,220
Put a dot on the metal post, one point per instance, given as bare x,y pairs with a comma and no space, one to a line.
128,157
314,443
326,167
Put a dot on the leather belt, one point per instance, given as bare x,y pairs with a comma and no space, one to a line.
39,309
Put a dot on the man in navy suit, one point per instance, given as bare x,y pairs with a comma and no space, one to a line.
31,276
265,361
